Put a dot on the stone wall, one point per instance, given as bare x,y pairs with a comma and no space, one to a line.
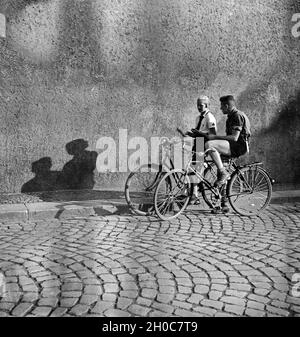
74,69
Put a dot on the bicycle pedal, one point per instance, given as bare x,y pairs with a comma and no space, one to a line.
197,202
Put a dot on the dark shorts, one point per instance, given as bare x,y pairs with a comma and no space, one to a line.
237,149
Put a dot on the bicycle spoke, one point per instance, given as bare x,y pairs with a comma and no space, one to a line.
171,195
166,208
249,191
261,195
258,183
140,187
164,205
161,204
245,182
261,187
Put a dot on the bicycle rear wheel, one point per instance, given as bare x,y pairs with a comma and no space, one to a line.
249,190
172,194
140,187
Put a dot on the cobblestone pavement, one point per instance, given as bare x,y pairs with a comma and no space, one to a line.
198,265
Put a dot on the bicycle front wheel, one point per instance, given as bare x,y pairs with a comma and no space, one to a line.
210,175
140,187
172,194
249,190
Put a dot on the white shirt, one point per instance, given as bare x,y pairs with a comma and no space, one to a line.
208,122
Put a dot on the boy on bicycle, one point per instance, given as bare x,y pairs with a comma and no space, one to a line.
205,125
234,144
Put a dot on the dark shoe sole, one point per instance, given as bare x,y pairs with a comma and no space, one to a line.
220,211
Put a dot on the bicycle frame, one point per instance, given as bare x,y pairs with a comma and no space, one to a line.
218,191
165,164
191,168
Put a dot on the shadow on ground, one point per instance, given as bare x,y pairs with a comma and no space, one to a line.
103,211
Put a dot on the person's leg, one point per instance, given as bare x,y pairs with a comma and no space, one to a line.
194,183
193,178
219,147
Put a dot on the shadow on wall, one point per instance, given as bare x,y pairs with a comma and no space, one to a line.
281,143
77,174
76,42
11,7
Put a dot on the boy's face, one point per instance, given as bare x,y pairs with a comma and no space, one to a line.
201,106
224,108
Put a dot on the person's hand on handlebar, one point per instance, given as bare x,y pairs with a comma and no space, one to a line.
190,133
198,133
193,133
183,134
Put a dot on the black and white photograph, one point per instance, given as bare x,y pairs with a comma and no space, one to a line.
149,161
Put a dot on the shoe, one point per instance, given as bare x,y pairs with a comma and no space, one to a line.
220,210
194,200
215,211
225,208
223,176
197,201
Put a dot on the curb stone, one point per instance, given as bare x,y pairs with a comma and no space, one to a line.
59,210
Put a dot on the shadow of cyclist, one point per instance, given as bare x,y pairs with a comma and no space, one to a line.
78,173
44,180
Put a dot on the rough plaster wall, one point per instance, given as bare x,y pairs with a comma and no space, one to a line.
83,69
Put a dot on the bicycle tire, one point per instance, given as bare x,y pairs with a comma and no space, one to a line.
210,174
248,187
140,188
175,187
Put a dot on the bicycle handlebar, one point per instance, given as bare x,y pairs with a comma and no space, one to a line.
180,132
166,141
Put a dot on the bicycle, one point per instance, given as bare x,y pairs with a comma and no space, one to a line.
249,188
141,183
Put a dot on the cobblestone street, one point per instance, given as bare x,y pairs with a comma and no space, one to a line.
123,265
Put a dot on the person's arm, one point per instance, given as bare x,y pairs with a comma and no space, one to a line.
210,124
198,133
234,137
190,134
212,131
194,132
237,128
185,134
